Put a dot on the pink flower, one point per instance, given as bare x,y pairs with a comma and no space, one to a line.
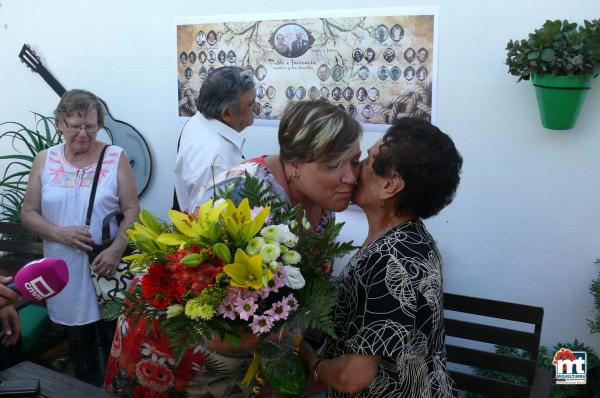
245,308
261,324
227,310
279,310
264,292
248,294
291,301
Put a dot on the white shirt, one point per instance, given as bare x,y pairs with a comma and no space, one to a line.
207,148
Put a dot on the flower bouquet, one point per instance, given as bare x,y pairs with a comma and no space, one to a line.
232,270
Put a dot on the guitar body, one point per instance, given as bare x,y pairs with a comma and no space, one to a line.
127,137
117,132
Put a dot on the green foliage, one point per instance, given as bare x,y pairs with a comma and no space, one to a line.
320,248
545,360
318,302
112,309
558,48
594,324
25,143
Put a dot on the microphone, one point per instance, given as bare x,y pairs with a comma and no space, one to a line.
41,279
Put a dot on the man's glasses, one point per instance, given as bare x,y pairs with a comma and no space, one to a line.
76,128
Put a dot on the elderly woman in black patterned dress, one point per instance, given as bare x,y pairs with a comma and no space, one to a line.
388,317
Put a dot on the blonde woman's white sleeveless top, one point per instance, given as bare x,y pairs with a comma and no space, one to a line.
65,195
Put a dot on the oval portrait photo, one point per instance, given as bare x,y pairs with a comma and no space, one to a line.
337,73
300,92
323,72
211,38
200,38
397,32
382,33
291,40
395,73
290,92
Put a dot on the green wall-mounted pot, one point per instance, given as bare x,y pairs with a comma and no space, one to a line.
560,99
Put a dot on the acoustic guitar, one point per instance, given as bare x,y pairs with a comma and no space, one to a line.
119,133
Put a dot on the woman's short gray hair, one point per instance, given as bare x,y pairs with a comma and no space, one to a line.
79,102
222,90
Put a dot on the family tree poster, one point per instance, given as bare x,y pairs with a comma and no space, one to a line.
376,64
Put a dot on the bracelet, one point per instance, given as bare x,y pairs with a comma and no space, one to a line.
314,369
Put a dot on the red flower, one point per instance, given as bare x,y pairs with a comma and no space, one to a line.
145,392
158,287
196,278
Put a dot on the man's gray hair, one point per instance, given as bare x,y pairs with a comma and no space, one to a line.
222,89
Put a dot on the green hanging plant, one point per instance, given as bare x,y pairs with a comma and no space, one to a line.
559,48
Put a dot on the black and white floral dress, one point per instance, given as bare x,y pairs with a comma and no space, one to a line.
390,304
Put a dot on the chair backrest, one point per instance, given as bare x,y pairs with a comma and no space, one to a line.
493,334
18,247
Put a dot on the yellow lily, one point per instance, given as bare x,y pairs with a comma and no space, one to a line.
150,221
246,271
239,223
134,258
203,225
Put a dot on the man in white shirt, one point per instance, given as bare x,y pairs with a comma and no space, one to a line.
210,142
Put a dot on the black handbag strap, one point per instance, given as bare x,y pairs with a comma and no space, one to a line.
88,217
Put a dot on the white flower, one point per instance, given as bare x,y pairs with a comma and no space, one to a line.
272,242
174,310
274,265
291,257
283,230
305,223
293,278
290,240
254,245
270,252
271,232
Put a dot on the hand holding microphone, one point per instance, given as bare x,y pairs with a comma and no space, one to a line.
7,296
35,281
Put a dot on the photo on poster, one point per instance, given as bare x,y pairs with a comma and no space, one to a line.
377,68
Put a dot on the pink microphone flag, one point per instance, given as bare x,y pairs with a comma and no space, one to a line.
42,279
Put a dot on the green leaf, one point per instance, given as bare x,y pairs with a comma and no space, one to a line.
548,55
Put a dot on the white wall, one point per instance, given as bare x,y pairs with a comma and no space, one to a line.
524,225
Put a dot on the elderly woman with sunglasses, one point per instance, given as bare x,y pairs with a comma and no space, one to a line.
55,208
388,318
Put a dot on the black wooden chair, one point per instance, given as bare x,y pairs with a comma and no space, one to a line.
18,248
462,352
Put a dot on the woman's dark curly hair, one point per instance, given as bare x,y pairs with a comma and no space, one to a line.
427,160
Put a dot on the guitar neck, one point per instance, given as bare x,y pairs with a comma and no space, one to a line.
52,82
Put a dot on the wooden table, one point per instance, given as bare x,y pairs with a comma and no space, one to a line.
53,384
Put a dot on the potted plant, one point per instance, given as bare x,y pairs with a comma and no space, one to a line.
25,143
560,58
